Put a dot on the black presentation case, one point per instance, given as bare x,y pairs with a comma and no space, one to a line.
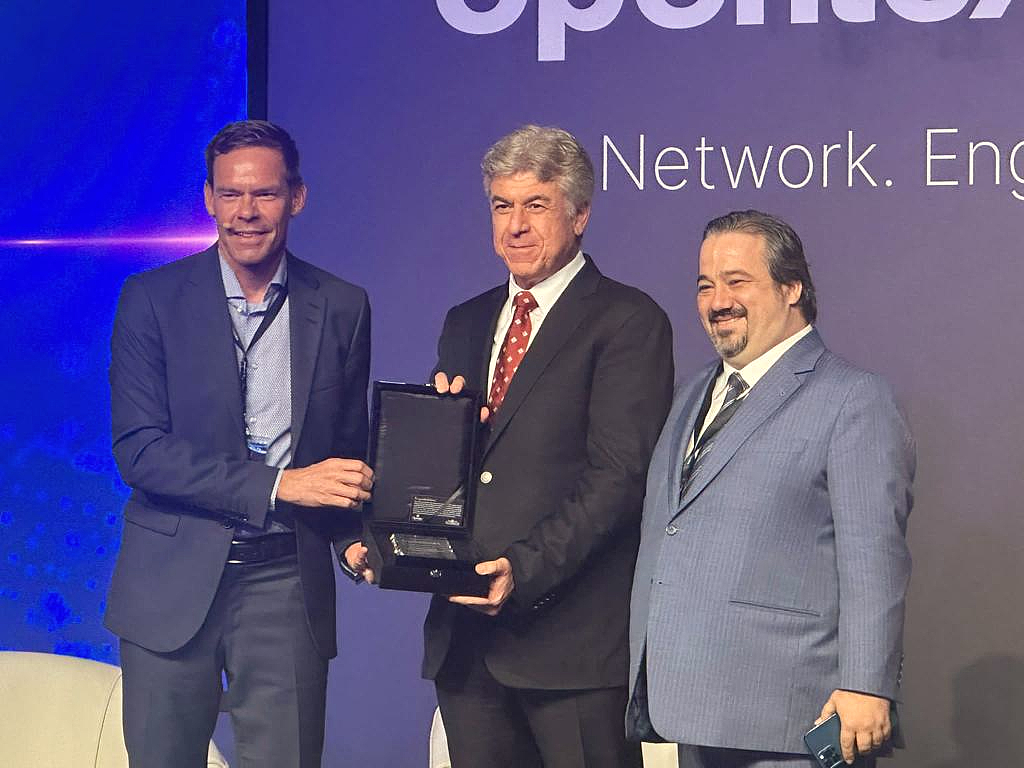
423,450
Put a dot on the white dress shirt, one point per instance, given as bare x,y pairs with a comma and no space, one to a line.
546,293
751,373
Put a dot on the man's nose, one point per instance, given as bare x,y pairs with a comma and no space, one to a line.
247,207
518,221
721,298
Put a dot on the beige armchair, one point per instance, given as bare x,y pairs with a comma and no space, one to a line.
63,712
655,755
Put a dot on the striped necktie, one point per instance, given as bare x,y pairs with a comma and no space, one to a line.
734,389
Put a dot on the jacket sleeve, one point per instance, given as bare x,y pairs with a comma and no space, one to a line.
446,356
150,457
353,429
871,462
631,390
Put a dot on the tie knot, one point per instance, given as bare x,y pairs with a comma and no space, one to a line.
734,387
524,300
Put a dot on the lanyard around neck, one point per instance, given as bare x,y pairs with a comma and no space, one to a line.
243,367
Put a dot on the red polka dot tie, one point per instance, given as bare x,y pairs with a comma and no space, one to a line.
512,349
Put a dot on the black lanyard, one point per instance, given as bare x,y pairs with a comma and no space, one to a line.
243,366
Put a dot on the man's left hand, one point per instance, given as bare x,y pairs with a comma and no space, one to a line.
502,584
356,557
864,719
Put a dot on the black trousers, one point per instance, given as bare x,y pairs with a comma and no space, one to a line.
490,725
718,757
255,635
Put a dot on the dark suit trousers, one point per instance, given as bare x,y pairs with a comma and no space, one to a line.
490,725
256,635
714,757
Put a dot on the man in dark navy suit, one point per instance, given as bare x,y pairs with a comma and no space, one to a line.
238,394
578,374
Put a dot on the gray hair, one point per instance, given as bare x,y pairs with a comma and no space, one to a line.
550,154
783,249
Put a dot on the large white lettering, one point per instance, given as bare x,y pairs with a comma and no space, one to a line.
931,180
741,167
990,9
806,11
554,17
945,165
465,19
747,158
680,17
925,11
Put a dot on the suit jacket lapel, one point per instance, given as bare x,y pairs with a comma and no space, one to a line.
306,322
481,337
684,428
207,313
765,398
565,317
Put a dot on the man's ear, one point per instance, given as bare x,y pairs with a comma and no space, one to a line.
793,292
208,197
579,221
298,199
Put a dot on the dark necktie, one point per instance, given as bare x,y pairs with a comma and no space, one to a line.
513,349
734,389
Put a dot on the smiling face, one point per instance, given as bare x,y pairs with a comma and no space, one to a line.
535,231
744,311
252,202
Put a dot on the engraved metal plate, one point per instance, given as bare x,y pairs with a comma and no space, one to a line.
415,545
429,509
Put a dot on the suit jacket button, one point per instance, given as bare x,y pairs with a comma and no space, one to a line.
671,530
486,477
227,523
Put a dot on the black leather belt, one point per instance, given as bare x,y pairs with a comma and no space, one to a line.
260,549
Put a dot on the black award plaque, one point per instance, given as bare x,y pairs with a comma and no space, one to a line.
420,519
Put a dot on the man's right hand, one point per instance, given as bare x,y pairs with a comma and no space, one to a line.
442,385
342,483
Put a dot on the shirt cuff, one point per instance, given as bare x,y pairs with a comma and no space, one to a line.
273,491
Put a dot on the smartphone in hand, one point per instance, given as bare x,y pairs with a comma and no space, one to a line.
823,743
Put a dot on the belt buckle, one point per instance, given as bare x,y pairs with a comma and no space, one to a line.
245,548
258,550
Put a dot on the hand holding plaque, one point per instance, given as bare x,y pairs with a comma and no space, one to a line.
442,385
502,583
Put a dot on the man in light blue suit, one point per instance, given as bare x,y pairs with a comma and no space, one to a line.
769,590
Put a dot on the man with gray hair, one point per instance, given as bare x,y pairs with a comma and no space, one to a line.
578,371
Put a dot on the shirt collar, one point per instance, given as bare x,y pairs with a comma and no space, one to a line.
548,290
755,369
233,289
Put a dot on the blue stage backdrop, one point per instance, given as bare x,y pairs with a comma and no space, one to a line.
889,132
107,108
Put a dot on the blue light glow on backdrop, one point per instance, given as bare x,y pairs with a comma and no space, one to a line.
106,109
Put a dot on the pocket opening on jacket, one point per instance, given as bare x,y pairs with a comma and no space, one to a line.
776,608
151,519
